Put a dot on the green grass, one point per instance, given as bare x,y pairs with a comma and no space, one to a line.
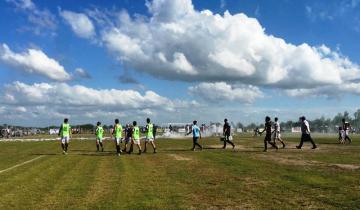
177,178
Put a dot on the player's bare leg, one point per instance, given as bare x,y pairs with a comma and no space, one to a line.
153,146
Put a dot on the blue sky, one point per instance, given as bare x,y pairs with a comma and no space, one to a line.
176,61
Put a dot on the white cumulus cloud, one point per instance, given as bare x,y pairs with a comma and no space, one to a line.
178,42
80,23
223,92
34,61
81,73
45,102
42,21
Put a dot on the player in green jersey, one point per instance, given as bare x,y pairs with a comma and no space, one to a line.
65,135
117,135
135,138
99,132
149,135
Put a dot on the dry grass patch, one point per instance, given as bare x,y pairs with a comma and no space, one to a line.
179,157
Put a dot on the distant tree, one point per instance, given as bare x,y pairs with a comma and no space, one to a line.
337,119
251,126
356,121
239,125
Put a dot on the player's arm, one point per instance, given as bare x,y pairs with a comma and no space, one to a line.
260,132
60,130
307,128
274,130
70,132
113,131
189,132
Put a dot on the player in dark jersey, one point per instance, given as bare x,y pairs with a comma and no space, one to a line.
128,137
346,128
267,130
227,134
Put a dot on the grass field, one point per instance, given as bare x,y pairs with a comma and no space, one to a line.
177,178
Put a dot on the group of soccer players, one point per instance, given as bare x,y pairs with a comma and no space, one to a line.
272,133
344,130
131,136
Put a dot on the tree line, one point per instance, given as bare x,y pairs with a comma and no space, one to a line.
322,124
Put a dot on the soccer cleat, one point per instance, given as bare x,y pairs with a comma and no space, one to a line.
64,153
314,147
297,147
265,150
118,154
154,150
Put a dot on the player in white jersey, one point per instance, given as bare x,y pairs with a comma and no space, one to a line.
346,128
276,132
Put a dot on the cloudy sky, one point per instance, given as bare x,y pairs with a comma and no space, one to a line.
177,60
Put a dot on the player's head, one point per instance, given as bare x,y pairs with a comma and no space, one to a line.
303,118
148,120
267,119
276,119
66,120
194,122
225,120
98,123
116,121
343,120
134,123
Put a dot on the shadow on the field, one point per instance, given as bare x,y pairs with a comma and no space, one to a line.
331,143
37,154
82,150
95,154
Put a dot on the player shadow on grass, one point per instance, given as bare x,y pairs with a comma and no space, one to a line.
47,154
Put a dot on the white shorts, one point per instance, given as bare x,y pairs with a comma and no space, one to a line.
149,139
99,140
65,139
118,140
137,141
276,135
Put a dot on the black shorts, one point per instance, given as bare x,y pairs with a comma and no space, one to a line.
195,139
268,137
306,137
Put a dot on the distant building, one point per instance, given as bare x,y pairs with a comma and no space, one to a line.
295,129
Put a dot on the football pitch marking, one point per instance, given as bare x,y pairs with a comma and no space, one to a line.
21,164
